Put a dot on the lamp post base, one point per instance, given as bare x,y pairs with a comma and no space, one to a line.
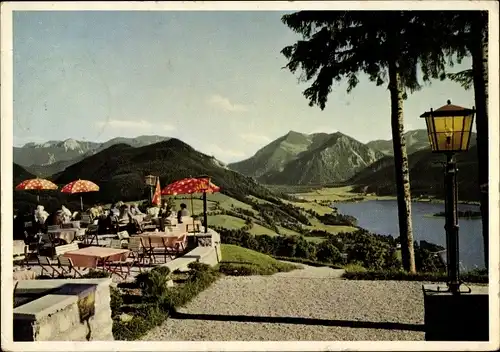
456,317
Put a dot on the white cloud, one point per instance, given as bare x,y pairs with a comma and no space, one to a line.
135,124
19,141
323,129
223,153
255,138
225,104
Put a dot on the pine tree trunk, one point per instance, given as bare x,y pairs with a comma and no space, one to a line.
479,51
402,171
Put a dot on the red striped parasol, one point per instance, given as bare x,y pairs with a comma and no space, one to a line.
192,185
80,186
36,184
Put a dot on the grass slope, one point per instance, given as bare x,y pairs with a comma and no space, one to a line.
241,261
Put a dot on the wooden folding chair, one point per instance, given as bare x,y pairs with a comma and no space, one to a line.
137,251
31,249
119,265
156,250
147,249
117,244
66,266
123,235
91,234
180,243
86,219
46,264
169,246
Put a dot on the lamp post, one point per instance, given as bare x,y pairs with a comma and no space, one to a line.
151,182
205,189
449,129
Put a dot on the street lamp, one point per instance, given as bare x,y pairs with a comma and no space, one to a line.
151,182
449,129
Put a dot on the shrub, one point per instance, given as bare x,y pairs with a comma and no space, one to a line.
96,274
153,313
355,268
147,318
198,266
116,301
328,253
376,252
198,281
235,269
153,283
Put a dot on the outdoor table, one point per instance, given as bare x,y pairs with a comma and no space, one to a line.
156,237
139,217
91,257
71,225
67,235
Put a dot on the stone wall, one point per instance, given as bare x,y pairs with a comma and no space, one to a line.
65,310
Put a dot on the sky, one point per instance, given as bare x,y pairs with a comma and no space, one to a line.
214,80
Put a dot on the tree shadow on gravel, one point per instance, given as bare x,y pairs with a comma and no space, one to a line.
302,321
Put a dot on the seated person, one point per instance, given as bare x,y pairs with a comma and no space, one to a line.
66,214
94,213
124,214
134,210
165,210
182,212
41,215
114,210
153,212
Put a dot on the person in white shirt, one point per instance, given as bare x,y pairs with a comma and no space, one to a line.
66,213
41,215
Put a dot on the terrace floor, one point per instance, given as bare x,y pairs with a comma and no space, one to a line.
307,304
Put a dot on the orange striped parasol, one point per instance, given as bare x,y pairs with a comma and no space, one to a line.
36,184
157,195
80,186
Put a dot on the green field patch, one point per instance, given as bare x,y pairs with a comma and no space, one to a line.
258,230
227,221
259,200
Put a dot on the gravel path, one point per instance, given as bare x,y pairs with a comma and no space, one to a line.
308,304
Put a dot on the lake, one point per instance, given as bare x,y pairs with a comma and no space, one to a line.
381,216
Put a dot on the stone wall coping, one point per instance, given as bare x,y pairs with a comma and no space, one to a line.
68,291
41,285
192,256
44,306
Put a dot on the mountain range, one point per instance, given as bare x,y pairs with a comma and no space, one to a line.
298,158
119,165
120,170
45,159
415,140
426,175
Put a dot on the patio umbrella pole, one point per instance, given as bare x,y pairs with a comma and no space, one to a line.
205,211
192,209
81,202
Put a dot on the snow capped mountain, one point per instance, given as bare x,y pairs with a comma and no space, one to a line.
56,155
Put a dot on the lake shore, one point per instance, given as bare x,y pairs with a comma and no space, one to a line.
345,194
